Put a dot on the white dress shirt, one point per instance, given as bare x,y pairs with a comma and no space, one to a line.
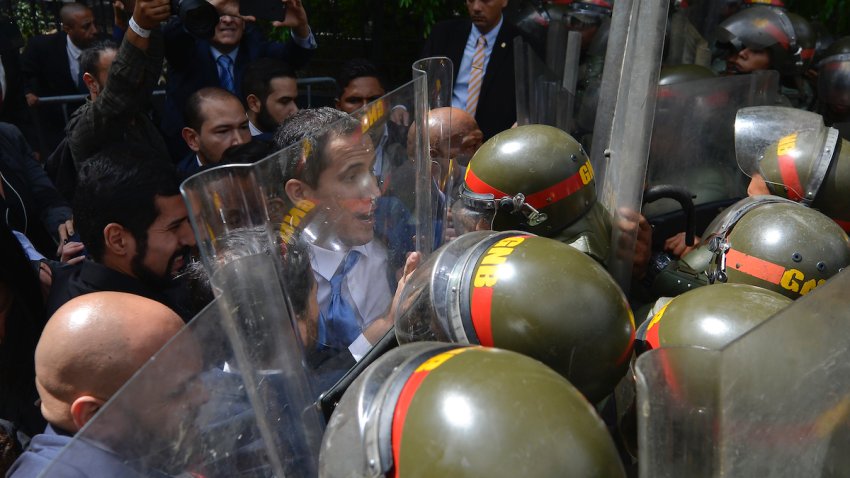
365,287
461,89
73,60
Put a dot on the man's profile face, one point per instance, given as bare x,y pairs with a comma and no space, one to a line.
347,189
279,104
228,33
225,125
748,61
81,29
169,240
358,93
485,14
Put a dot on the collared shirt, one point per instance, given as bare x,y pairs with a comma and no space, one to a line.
461,90
365,287
2,79
216,54
253,129
73,59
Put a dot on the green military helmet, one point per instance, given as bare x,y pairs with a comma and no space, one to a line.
672,74
535,178
807,39
438,410
536,296
766,3
834,77
777,244
709,317
762,28
811,167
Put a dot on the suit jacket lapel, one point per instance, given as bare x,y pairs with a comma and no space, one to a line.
500,54
457,45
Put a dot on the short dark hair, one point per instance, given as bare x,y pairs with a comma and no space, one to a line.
69,9
120,184
90,57
193,116
259,74
246,153
357,68
316,126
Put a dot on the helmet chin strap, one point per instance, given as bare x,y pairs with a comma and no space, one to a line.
517,205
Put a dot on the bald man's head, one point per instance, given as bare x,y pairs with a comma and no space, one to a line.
78,22
91,346
454,133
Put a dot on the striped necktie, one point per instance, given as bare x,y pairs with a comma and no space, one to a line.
476,75
225,73
338,326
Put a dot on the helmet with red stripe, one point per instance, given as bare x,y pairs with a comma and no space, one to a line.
709,317
767,3
536,178
834,81
763,29
536,296
797,157
439,410
777,244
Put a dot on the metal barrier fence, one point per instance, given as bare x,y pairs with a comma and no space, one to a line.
306,99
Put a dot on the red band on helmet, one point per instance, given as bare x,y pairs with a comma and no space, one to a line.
400,413
779,35
405,398
844,225
481,313
538,200
790,178
753,266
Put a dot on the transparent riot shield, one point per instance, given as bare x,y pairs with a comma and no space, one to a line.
693,145
771,141
624,121
775,402
545,90
202,407
333,240
437,180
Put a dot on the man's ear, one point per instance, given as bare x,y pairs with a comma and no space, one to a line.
84,408
192,138
296,190
91,84
337,103
117,240
254,103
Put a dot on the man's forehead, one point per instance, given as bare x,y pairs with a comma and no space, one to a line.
170,207
347,148
218,111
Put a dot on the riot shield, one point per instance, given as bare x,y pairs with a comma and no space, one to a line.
203,407
693,144
545,90
331,238
624,117
754,408
436,180
774,132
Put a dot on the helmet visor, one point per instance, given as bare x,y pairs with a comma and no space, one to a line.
758,127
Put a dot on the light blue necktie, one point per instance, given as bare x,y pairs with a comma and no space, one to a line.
338,325
225,73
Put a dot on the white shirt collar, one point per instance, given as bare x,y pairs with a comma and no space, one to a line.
73,50
216,53
491,35
254,130
326,261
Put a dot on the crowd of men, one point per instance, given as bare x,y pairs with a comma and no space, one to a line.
97,239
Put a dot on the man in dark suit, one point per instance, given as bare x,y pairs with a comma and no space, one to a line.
51,67
221,61
484,69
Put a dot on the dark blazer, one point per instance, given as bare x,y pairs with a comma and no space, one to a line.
89,276
497,102
191,67
47,72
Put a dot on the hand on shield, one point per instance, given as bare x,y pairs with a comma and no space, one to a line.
632,222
